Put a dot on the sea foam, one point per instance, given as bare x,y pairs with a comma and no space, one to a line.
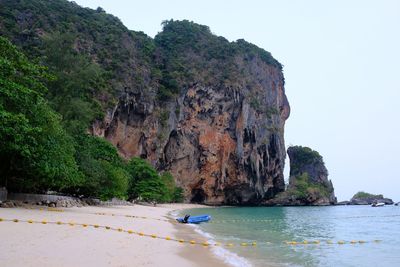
227,256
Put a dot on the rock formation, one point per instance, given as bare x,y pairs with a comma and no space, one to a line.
362,198
219,147
308,181
210,111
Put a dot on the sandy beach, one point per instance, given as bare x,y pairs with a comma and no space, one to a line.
51,244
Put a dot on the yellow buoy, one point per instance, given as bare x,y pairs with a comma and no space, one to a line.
181,241
153,236
44,222
15,220
243,244
205,244
30,221
167,238
119,229
59,223
254,244
130,232
141,234
340,242
96,226
192,242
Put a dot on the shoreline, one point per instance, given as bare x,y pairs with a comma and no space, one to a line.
195,253
51,241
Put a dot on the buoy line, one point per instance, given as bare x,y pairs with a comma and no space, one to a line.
194,242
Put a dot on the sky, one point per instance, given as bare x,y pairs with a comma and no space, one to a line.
342,70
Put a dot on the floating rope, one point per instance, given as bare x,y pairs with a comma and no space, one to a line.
193,242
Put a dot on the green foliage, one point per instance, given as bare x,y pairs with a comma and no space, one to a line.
189,53
302,188
144,181
164,114
36,152
178,195
303,156
92,59
361,195
146,184
79,81
173,193
105,174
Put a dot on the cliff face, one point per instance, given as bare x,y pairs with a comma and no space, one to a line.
210,111
219,146
308,181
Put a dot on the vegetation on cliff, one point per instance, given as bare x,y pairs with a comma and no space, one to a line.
189,52
38,154
362,195
93,62
304,156
302,188
308,181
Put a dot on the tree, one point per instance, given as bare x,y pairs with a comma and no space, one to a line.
79,83
35,151
173,193
145,182
105,174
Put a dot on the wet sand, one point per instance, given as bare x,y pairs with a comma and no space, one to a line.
38,244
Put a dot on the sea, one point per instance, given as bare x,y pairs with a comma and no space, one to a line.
303,236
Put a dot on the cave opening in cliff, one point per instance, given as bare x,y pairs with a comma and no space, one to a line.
198,196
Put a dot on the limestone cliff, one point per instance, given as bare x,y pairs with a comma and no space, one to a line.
308,181
210,111
222,139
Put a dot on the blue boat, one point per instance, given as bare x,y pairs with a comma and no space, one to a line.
194,219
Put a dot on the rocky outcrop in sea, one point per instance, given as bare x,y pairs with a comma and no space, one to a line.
362,198
308,182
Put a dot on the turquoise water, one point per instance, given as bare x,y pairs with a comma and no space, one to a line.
272,227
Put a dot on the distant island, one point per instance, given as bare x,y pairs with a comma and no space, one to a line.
363,198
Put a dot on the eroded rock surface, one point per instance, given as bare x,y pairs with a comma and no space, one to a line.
219,148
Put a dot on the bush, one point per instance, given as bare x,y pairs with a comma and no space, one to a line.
302,188
105,174
173,193
146,184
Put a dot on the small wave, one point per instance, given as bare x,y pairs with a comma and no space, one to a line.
227,256
174,213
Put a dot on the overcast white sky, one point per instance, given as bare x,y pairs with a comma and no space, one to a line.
342,69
